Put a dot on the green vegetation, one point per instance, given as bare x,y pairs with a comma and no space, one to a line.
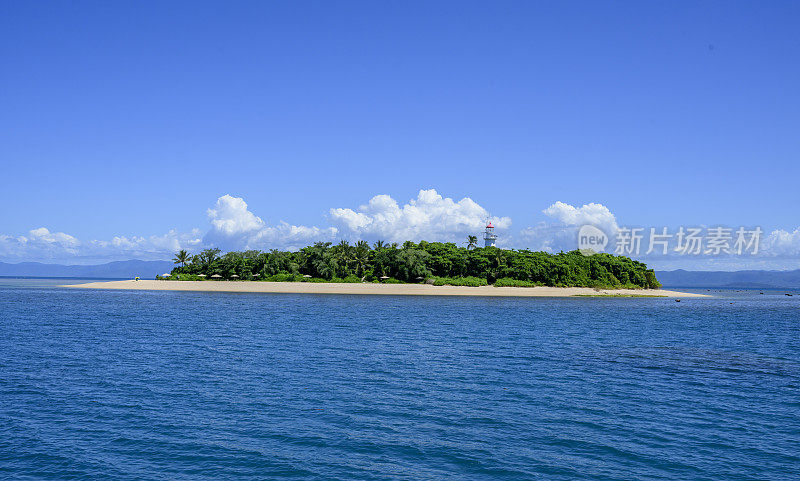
510,282
469,281
182,257
435,262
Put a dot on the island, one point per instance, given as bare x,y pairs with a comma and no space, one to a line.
424,268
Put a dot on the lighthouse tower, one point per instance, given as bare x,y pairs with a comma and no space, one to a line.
489,237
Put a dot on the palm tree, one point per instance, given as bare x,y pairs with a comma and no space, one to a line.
472,242
208,256
343,255
312,257
412,264
326,267
361,257
499,259
182,257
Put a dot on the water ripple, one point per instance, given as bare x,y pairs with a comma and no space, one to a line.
128,385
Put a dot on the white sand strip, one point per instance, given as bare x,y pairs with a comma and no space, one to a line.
372,289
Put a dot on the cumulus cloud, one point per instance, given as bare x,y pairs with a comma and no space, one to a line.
43,236
39,242
594,214
43,245
560,232
777,250
430,217
155,245
230,217
782,243
234,226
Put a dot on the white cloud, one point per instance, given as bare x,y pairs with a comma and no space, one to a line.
152,246
233,226
561,232
39,243
782,243
594,214
42,245
43,236
430,217
230,217
778,250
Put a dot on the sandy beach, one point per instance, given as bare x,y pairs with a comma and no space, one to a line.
373,289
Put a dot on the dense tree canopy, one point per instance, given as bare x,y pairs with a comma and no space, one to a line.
412,262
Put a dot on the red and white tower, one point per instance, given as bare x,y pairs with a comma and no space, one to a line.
489,237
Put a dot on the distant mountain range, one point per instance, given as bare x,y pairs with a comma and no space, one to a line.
735,279
119,270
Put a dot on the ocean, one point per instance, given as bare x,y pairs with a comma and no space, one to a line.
178,385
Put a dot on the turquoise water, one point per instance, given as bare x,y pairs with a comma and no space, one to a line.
165,385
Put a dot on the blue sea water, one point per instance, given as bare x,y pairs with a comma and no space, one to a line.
178,385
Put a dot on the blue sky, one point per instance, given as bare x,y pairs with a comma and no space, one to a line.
132,120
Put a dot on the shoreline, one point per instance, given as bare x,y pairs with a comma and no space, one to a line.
374,289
